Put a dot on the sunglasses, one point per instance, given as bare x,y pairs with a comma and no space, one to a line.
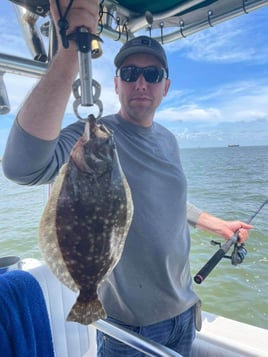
151,74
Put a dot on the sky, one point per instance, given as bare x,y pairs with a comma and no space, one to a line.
219,82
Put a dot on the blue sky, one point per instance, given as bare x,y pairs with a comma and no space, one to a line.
219,90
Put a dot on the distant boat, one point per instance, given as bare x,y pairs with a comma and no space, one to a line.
233,145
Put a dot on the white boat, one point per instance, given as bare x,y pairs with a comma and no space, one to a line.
219,337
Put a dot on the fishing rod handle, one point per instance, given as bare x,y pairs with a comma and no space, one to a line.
209,266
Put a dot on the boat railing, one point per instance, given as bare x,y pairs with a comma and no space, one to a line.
140,343
21,66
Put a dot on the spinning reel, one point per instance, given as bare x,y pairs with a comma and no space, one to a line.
238,254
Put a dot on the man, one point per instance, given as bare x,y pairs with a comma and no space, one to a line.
150,290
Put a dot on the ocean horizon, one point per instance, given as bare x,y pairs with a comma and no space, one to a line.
190,134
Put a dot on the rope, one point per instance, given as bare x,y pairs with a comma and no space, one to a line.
63,23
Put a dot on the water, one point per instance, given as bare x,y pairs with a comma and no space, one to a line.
231,183
228,182
20,211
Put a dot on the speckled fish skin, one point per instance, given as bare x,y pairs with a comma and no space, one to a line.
85,222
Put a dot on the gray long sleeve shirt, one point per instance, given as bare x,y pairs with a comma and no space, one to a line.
152,281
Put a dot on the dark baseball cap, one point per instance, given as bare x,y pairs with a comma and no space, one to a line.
141,44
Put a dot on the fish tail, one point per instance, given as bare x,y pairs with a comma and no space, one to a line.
87,312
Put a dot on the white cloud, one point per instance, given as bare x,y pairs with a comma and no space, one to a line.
242,100
191,112
239,40
248,103
18,88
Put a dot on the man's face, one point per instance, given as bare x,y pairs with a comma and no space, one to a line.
139,99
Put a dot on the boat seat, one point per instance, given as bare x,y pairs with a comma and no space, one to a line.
70,339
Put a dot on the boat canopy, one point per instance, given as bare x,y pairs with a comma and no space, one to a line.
166,21
171,20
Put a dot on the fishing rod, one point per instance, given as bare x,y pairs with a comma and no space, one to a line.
237,256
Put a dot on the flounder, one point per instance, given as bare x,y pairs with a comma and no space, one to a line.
86,219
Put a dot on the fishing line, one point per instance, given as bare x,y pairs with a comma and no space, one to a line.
258,210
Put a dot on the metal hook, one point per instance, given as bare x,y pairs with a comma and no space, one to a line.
181,28
162,32
125,29
118,27
210,13
150,19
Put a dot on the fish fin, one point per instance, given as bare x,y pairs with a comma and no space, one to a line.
86,313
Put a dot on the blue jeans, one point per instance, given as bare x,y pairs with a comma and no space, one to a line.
176,333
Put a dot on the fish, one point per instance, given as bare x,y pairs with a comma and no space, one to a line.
84,225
